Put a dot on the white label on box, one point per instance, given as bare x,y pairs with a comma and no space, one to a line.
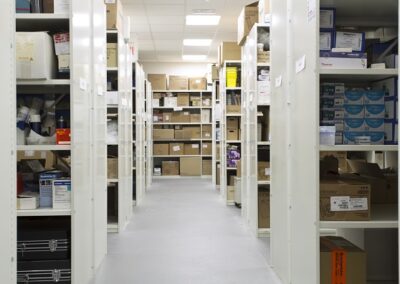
267,171
178,109
43,155
301,64
205,146
346,203
207,135
109,1
186,113
155,118
29,153
176,148
167,118
61,43
326,19
278,81
325,41
349,40
195,146
62,194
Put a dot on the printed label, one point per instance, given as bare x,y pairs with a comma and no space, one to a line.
176,148
346,203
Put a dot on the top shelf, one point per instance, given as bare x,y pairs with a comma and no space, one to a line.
358,74
42,22
359,148
181,91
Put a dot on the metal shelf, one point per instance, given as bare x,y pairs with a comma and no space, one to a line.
43,147
50,82
358,74
44,212
264,182
359,148
264,233
382,216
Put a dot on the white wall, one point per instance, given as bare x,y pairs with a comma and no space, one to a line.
179,68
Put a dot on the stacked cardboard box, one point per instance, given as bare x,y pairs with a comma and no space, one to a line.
232,128
263,209
264,171
178,83
229,51
207,148
161,149
198,84
247,18
190,166
207,167
183,99
158,81
207,132
163,134
112,55
176,149
192,149
170,168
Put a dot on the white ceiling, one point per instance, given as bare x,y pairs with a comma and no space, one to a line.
159,27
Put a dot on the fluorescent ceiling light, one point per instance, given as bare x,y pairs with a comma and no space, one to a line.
202,20
197,42
194,57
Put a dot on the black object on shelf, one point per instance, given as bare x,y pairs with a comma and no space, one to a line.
44,272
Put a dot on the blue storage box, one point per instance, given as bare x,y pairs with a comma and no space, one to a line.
23,6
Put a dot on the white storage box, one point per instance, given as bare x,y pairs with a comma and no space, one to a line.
238,190
28,201
342,60
170,101
35,56
327,135
61,6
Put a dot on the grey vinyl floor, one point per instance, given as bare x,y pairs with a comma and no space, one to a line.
184,234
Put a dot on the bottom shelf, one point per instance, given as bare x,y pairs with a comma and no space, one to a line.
112,227
264,233
44,212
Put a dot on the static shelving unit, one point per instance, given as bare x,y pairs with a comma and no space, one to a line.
226,92
256,114
202,95
138,169
296,148
149,134
85,90
120,189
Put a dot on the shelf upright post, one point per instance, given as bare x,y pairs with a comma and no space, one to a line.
8,256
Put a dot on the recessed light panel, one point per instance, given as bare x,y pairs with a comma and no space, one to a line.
202,20
197,42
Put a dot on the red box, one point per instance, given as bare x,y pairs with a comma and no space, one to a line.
63,136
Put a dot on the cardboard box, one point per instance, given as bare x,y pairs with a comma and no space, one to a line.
239,169
341,158
207,132
230,192
349,260
198,84
183,100
176,149
195,117
180,116
350,39
207,167
192,149
233,108
232,123
344,200
163,134
264,171
264,11
229,51
179,134
206,101
114,16
207,148
178,83
191,133
46,156
112,168
214,73
341,60
160,149
232,134
218,150
247,18
62,194
190,166
170,168
112,55
158,81
263,209
61,43
195,101
384,186
206,115
35,56
167,116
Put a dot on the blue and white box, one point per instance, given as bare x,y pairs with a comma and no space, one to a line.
374,97
354,111
352,40
46,187
343,60
327,18
375,111
375,124
332,89
377,138
354,97
62,194
332,103
329,114
354,124
23,6
326,40
350,137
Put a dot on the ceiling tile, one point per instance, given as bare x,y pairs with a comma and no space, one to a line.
166,20
168,36
165,10
166,28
